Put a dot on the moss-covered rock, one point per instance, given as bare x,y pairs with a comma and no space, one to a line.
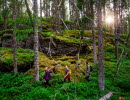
62,45
25,59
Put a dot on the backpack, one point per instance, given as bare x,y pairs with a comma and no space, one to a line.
69,72
91,68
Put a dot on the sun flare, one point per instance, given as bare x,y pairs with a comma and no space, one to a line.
109,19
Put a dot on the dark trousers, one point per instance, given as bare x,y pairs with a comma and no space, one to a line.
47,83
88,77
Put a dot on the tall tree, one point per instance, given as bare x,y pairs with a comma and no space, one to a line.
41,15
93,33
14,36
100,45
104,10
115,28
58,15
36,57
5,14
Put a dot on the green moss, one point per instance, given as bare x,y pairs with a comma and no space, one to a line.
21,34
47,34
109,34
25,56
66,40
64,58
67,37
6,31
88,58
63,63
76,33
47,26
70,33
44,61
124,36
69,22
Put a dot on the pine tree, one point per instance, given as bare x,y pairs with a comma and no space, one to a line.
36,57
100,45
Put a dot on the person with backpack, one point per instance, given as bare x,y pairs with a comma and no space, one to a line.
67,74
47,76
88,71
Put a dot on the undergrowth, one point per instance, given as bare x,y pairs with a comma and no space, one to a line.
20,86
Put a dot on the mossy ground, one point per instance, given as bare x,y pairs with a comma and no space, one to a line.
21,86
25,56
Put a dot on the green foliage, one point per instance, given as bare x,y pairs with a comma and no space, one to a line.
80,4
1,21
124,36
47,34
70,33
63,63
20,86
69,22
56,79
24,22
5,12
46,26
5,31
23,34
85,19
109,49
106,29
25,56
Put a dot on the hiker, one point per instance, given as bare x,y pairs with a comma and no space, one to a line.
47,76
88,71
67,74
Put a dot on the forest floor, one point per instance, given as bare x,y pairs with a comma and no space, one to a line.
22,85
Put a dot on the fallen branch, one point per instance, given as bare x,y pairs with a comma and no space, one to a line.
108,95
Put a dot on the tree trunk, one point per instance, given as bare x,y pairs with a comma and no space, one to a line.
14,38
115,30
15,50
36,57
5,16
58,16
63,10
100,46
41,15
121,15
93,37
104,14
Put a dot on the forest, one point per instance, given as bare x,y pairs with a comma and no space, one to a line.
64,49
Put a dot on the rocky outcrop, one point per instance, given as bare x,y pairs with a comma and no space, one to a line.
56,47
52,45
